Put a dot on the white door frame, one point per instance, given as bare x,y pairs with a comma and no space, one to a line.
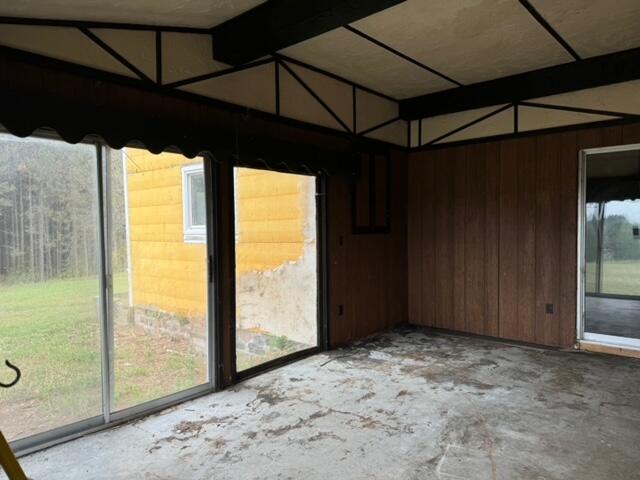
582,336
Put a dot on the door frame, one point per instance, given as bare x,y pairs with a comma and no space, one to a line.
322,322
583,337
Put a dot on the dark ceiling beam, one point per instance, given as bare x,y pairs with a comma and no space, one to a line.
588,73
277,24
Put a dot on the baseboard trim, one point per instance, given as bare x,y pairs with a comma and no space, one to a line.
609,349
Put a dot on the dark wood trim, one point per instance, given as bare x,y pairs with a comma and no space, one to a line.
47,22
354,109
379,126
543,22
398,53
277,24
590,111
588,73
529,133
334,76
218,73
317,97
115,54
372,228
41,61
470,124
276,82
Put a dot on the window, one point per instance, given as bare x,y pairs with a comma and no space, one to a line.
194,206
95,280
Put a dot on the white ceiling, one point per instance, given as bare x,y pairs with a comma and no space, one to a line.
183,13
467,40
367,64
594,27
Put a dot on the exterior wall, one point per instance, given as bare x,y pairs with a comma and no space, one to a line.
493,232
167,273
276,254
275,247
271,219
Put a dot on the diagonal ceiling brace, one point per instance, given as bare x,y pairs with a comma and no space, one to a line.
547,26
277,24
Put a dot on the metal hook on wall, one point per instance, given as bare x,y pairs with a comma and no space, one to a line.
18,375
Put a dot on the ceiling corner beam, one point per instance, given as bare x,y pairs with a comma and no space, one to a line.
277,24
582,74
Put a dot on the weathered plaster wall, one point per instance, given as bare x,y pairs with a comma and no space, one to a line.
276,254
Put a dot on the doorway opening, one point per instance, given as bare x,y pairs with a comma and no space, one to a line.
276,244
610,246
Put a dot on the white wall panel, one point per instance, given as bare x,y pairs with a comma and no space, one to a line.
62,43
138,47
186,55
253,88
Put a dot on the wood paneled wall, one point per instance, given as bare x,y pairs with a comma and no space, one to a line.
492,235
367,272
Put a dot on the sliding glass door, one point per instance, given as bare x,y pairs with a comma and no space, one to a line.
276,266
611,244
159,257
50,298
104,284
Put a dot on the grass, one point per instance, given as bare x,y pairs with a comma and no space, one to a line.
620,277
52,332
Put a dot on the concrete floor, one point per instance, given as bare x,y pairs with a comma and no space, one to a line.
405,405
612,316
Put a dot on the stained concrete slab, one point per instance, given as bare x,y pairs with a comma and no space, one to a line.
403,405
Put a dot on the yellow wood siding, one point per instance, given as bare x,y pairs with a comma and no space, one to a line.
271,216
169,274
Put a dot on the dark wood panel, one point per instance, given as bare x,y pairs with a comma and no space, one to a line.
547,240
631,133
340,327
443,248
474,253
428,271
368,272
526,246
568,240
414,240
497,241
509,244
458,159
492,238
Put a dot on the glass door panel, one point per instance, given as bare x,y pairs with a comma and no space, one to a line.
612,247
160,286
276,265
50,300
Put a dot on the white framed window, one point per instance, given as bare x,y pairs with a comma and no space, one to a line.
194,209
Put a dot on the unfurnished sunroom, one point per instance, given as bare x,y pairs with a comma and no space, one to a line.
359,239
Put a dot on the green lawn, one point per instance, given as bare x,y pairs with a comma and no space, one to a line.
620,277
51,331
